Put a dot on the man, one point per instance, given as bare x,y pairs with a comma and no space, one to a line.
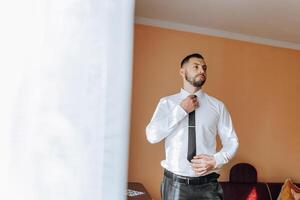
189,122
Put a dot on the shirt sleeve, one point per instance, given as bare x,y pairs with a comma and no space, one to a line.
228,138
165,119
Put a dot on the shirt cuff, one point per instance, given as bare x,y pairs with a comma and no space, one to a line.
177,115
219,160
179,112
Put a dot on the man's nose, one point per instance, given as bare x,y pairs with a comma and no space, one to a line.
201,70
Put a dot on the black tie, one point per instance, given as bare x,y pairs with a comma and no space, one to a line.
192,137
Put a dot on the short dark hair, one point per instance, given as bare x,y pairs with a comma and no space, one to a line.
188,57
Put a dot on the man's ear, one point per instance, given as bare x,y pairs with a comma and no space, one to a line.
182,72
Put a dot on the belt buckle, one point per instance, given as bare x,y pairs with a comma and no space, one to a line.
188,181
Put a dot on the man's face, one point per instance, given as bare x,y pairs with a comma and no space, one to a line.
195,72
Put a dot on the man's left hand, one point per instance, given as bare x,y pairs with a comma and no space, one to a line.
203,163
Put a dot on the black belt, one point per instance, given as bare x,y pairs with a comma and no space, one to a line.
192,180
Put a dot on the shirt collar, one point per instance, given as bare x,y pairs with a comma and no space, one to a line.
185,93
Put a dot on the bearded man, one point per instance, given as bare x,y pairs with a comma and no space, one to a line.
189,122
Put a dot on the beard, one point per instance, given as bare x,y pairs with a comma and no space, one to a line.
194,82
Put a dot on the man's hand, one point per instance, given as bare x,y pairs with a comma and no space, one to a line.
203,163
190,103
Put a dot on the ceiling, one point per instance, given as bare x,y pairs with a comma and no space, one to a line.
273,20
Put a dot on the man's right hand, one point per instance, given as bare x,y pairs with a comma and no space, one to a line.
190,103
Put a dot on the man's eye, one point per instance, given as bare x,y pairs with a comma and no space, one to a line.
196,66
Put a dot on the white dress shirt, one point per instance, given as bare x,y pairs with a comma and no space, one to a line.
170,122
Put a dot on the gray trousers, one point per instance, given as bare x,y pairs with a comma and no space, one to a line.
171,189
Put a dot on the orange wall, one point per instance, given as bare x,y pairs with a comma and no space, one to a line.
259,84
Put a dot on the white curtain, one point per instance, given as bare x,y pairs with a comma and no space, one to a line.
65,85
